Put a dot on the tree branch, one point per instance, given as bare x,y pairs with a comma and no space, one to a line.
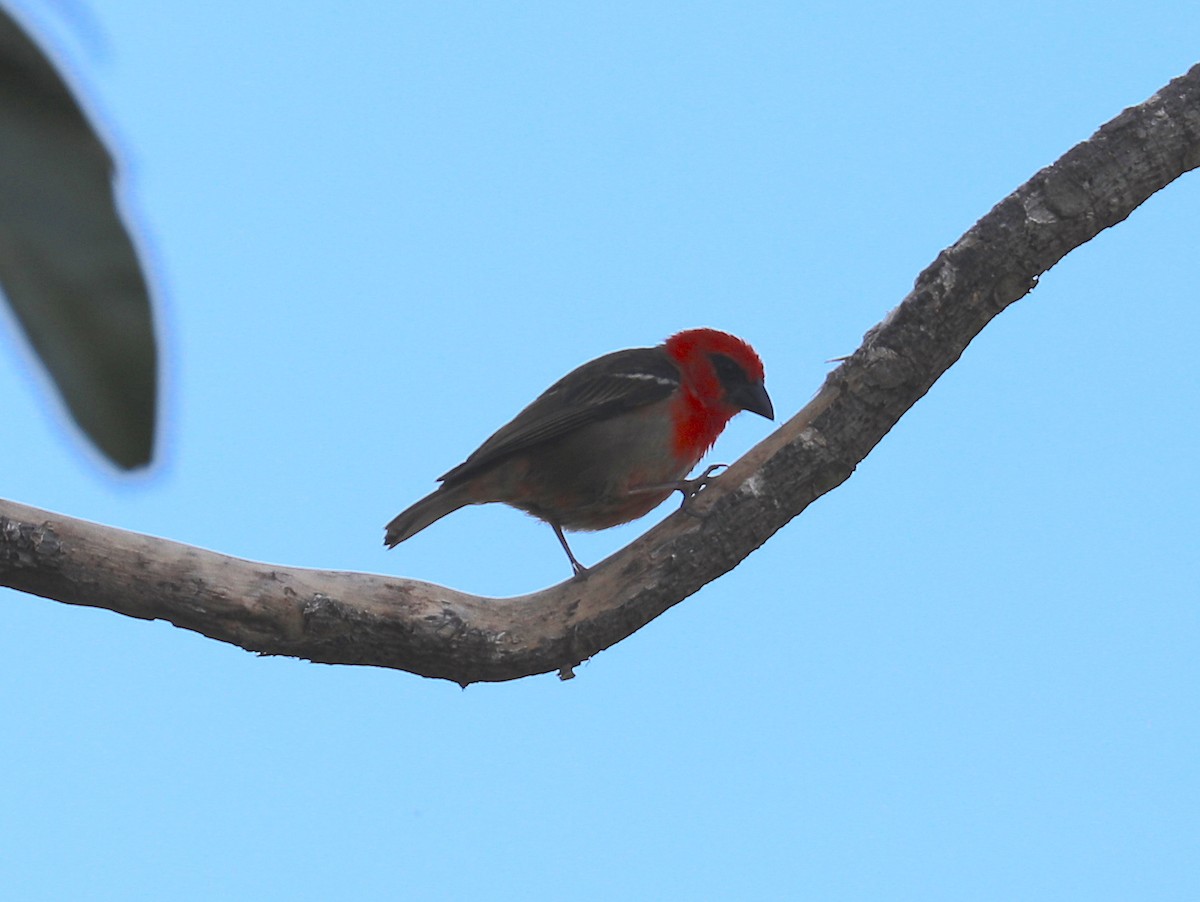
356,618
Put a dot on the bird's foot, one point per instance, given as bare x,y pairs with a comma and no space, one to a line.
690,488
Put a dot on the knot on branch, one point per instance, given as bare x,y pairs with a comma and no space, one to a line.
876,372
26,545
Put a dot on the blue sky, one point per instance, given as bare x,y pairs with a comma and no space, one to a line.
378,229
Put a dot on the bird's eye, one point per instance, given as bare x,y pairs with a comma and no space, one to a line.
728,370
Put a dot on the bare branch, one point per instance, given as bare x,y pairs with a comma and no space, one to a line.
355,618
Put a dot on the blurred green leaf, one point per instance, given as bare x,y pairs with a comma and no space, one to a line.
67,264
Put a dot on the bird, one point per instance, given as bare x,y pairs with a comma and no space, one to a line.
608,442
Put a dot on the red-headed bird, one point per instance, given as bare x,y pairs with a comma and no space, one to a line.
609,441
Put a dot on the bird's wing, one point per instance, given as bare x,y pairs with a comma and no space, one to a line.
602,388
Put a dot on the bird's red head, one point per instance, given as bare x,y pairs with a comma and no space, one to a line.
722,375
696,344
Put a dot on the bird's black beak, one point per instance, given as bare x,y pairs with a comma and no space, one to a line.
752,396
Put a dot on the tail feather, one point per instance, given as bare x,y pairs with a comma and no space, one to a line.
428,510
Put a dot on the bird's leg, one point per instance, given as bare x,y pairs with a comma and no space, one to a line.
689,488
575,565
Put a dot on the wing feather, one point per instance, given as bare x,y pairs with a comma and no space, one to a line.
602,388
